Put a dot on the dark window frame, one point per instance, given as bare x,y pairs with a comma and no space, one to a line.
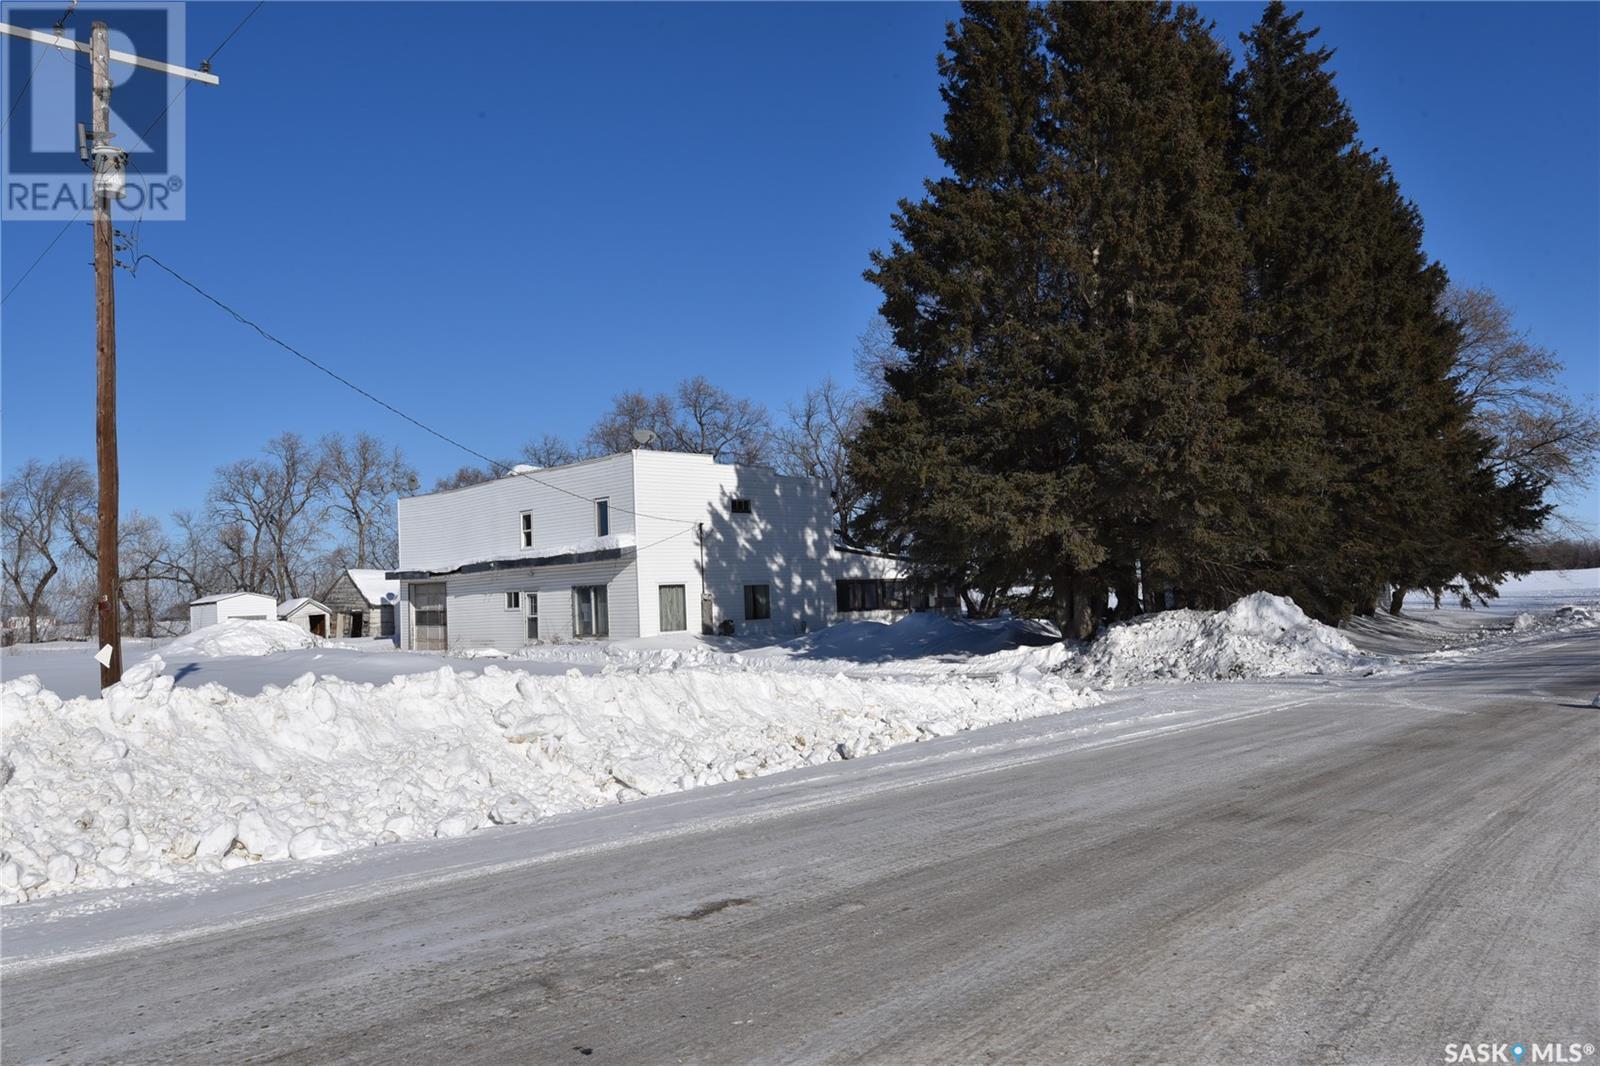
757,603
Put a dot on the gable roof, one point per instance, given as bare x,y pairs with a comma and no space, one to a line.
288,607
374,586
220,596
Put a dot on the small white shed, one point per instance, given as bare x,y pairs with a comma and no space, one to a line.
226,606
306,613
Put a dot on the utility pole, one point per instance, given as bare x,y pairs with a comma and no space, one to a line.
109,183
105,359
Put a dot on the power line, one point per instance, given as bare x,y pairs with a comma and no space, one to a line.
59,234
494,464
24,90
61,24
205,64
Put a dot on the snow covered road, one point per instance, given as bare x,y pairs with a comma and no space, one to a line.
1269,871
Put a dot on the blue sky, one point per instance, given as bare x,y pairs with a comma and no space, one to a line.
497,216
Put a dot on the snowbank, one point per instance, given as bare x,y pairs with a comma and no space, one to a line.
1259,636
239,637
157,783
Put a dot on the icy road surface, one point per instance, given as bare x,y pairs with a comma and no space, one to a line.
1352,870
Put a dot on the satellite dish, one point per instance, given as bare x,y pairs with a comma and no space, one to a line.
644,437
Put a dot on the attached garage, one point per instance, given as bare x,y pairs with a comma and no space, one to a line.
430,627
227,606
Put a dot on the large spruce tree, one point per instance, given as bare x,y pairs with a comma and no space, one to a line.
1068,303
1361,444
1169,334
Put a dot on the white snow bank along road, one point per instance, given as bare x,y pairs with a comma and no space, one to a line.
1261,635
156,783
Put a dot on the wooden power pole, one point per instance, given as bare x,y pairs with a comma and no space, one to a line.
108,184
105,364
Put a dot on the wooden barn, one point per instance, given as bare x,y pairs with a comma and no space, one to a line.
362,604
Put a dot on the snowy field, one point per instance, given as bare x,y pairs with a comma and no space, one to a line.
255,742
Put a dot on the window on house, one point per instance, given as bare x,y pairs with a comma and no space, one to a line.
602,518
527,529
674,609
757,603
873,595
513,601
741,505
533,616
590,617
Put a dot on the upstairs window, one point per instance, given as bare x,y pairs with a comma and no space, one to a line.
602,518
525,530
741,505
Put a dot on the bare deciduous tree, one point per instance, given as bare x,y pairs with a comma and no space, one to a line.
815,443
551,450
630,411
36,516
876,354
363,476
1539,431
267,511
714,422
698,417
467,475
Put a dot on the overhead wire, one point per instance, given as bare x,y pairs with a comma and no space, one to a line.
501,468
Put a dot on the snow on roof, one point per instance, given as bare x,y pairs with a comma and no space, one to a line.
226,596
374,586
288,607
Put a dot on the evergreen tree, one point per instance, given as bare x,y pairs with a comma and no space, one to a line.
1068,305
1368,474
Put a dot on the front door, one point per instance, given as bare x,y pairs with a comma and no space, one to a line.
532,599
429,628
674,609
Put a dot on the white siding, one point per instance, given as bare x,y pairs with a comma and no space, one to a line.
443,530
244,605
476,615
784,543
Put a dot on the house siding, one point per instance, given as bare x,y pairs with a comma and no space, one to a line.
476,616
444,530
678,509
783,543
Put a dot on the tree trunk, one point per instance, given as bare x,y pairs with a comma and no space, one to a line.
1128,595
1396,599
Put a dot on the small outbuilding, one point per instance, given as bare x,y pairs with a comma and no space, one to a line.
306,613
228,606
362,604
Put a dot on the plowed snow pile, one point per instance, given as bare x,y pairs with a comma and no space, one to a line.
1259,636
157,783
241,637
153,783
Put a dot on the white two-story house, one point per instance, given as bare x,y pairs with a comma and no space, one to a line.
629,545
